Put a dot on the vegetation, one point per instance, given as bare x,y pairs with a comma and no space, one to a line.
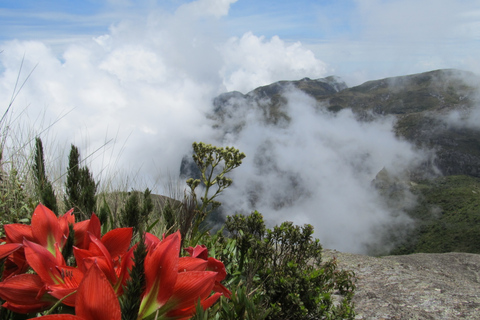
447,216
80,187
280,270
266,277
43,186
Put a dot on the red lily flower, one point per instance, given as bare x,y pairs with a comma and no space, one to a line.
189,289
161,271
96,299
200,261
24,293
46,229
58,278
110,254
174,294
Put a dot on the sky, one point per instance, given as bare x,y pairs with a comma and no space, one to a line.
131,84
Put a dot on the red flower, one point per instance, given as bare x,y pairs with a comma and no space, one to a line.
24,293
96,299
58,278
173,285
200,261
9,248
46,229
170,293
111,254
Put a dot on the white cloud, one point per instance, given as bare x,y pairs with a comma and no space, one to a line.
252,61
319,169
146,84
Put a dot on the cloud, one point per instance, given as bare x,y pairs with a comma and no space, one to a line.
253,61
375,39
318,168
146,85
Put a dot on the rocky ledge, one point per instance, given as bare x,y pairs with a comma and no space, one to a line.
417,286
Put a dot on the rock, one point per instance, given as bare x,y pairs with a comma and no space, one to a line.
417,286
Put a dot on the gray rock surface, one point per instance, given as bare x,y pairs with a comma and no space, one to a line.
417,286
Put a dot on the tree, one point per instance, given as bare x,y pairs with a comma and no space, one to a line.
214,163
80,188
43,186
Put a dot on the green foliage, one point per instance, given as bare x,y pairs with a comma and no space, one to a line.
43,186
241,306
131,214
148,206
281,272
16,205
136,211
130,303
213,163
72,186
447,216
169,217
80,188
104,213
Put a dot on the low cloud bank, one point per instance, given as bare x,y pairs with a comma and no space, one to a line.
318,168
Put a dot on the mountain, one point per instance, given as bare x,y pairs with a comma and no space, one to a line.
434,111
420,102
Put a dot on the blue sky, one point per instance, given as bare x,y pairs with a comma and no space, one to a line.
58,18
359,39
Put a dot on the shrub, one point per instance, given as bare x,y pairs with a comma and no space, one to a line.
80,188
43,186
281,272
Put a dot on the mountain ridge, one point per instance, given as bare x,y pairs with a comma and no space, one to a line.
433,111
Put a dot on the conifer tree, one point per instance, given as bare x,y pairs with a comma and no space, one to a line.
88,190
147,204
131,213
80,188
43,187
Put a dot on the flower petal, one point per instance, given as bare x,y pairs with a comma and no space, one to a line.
96,298
200,251
43,262
217,266
7,249
16,232
190,287
19,308
59,317
45,228
117,241
82,228
191,264
22,288
161,271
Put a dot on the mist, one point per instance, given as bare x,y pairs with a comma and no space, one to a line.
135,98
318,168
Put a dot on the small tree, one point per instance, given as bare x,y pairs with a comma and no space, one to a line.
88,190
213,163
43,186
80,188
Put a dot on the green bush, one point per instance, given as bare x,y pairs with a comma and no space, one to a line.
279,274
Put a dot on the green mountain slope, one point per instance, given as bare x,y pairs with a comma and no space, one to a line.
447,214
